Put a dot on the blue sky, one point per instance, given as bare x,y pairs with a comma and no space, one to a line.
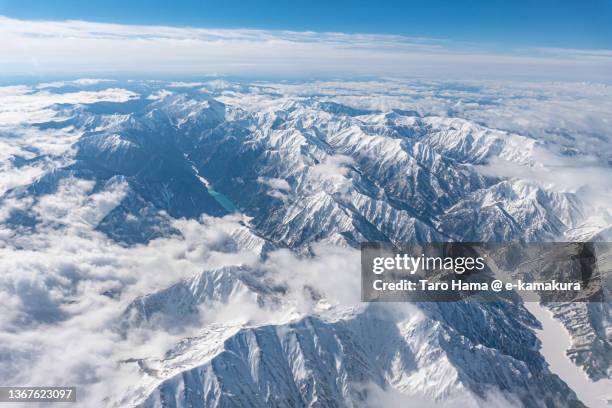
503,23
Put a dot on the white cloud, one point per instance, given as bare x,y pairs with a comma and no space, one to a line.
47,47
80,82
161,94
391,398
275,183
333,272
333,166
63,286
20,104
333,173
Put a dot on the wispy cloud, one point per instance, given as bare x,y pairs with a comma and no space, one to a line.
68,47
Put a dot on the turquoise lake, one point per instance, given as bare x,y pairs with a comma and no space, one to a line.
222,199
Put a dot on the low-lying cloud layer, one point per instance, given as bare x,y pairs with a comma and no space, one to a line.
64,284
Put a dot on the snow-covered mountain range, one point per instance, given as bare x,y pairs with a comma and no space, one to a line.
202,239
